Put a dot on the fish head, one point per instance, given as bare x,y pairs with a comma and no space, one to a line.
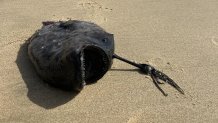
91,52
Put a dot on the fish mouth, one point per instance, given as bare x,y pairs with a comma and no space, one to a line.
94,64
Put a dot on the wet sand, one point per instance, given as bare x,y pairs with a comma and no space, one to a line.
179,38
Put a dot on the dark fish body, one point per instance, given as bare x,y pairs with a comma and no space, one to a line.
69,54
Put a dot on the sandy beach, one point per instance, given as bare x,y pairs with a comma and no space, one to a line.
179,38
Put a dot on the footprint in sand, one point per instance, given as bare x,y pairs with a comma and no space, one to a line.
214,40
91,4
95,11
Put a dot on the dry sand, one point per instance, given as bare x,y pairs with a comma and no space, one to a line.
177,37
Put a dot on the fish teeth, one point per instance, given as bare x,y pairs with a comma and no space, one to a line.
82,60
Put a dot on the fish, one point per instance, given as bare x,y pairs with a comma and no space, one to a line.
71,54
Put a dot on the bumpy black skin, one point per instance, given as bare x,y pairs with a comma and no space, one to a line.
55,51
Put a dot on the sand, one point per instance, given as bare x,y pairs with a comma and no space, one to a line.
179,38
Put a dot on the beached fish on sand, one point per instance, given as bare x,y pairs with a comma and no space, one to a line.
70,54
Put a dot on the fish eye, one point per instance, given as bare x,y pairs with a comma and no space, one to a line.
105,40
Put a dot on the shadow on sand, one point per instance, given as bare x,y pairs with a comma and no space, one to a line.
127,70
39,92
